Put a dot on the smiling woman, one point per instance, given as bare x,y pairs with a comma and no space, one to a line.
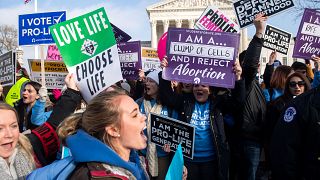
20,154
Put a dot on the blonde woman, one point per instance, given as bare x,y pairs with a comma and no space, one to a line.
20,154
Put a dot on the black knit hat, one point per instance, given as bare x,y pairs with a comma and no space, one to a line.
299,65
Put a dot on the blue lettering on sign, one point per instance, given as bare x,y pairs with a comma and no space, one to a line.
34,28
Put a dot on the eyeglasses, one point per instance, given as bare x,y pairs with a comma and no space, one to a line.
299,83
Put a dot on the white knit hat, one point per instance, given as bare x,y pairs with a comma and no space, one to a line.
154,76
126,86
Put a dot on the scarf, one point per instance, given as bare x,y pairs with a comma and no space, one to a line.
19,166
152,158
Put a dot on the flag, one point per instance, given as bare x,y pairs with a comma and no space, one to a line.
26,1
175,170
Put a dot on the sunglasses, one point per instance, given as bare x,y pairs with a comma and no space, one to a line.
299,83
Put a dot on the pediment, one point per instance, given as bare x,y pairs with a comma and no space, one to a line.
186,4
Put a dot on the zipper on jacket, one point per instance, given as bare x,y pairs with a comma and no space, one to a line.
215,141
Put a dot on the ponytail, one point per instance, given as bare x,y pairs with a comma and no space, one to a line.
69,126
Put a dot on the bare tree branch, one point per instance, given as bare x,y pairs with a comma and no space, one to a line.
8,38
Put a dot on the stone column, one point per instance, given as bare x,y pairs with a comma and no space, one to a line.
244,39
191,23
178,23
165,25
154,39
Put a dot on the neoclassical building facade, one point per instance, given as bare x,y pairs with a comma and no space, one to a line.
184,14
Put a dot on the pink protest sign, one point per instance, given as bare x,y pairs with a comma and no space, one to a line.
53,53
162,46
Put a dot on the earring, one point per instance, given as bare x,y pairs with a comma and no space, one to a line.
117,135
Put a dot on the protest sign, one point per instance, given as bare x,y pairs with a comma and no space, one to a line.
130,59
175,170
276,39
247,9
55,73
165,130
308,36
162,46
53,53
150,59
213,19
120,35
201,57
8,68
89,51
34,28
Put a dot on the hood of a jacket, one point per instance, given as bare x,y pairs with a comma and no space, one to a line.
85,148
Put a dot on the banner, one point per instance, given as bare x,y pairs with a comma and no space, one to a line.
276,39
53,53
201,57
150,59
308,36
213,19
8,68
246,10
89,51
130,59
55,73
165,130
34,28
120,35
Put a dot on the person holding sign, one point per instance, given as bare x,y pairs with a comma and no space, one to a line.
158,159
204,111
24,105
20,154
295,141
103,138
246,142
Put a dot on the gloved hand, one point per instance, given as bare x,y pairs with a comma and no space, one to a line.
43,93
56,93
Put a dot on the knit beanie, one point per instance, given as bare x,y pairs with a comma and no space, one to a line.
154,76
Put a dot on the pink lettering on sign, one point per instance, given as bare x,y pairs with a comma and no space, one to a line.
53,53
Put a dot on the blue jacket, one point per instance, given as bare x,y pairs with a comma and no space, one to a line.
39,115
85,148
316,80
275,94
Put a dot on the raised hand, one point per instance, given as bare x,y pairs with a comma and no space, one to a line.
237,69
260,23
70,82
164,62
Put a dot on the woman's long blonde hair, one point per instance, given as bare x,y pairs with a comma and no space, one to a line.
24,144
102,111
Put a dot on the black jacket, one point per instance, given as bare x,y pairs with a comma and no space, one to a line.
45,148
251,115
295,144
23,119
267,75
184,104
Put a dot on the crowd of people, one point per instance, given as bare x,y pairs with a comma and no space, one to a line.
274,124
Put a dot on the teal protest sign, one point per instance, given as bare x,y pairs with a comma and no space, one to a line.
88,47
175,170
